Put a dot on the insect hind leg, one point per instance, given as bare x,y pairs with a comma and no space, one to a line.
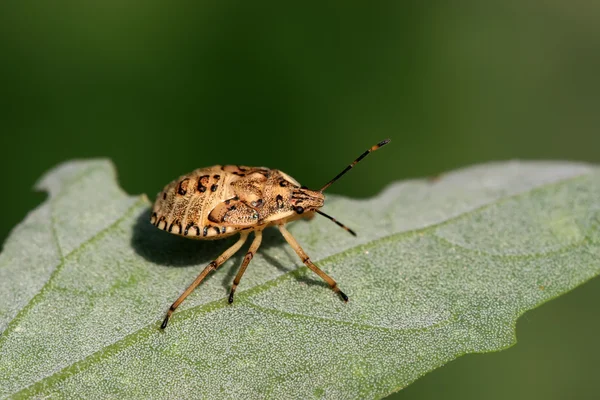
306,260
209,268
247,258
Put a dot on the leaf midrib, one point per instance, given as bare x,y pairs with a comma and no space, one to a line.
130,339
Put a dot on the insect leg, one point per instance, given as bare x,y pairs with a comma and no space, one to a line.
249,255
216,263
306,260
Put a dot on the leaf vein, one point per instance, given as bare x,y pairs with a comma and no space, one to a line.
35,299
286,314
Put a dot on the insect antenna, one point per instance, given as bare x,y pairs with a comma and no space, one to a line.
337,222
349,167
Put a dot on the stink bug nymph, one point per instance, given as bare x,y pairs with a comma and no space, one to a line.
220,201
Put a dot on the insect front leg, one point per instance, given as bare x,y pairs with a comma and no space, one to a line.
209,268
306,260
247,258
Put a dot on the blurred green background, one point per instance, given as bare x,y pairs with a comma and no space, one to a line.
163,88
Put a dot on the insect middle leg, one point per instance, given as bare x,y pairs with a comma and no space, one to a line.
209,268
249,255
306,260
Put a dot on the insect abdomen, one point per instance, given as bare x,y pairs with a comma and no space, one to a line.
183,206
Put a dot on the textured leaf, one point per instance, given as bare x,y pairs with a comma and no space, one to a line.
440,268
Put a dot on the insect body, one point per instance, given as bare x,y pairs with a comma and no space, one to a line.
220,201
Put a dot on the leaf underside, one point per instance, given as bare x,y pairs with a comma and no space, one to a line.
439,269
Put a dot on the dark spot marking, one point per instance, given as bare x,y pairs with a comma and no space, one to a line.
238,173
217,229
174,223
164,195
223,229
182,189
257,203
202,182
242,168
227,201
205,231
307,259
213,264
217,177
232,208
187,228
160,220
249,255
236,198
279,200
214,187
283,183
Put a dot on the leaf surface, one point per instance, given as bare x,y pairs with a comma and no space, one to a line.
440,268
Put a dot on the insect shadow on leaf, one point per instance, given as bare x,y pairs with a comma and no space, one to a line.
162,248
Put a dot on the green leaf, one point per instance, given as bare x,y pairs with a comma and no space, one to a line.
440,268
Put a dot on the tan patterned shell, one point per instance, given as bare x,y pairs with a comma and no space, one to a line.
219,201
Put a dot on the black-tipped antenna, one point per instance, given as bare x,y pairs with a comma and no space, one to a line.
349,167
337,222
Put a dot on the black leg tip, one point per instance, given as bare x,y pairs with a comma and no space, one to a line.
164,323
230,297
343,296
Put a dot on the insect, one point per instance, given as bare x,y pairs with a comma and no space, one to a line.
221,201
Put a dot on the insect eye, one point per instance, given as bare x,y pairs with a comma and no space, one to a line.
299,209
